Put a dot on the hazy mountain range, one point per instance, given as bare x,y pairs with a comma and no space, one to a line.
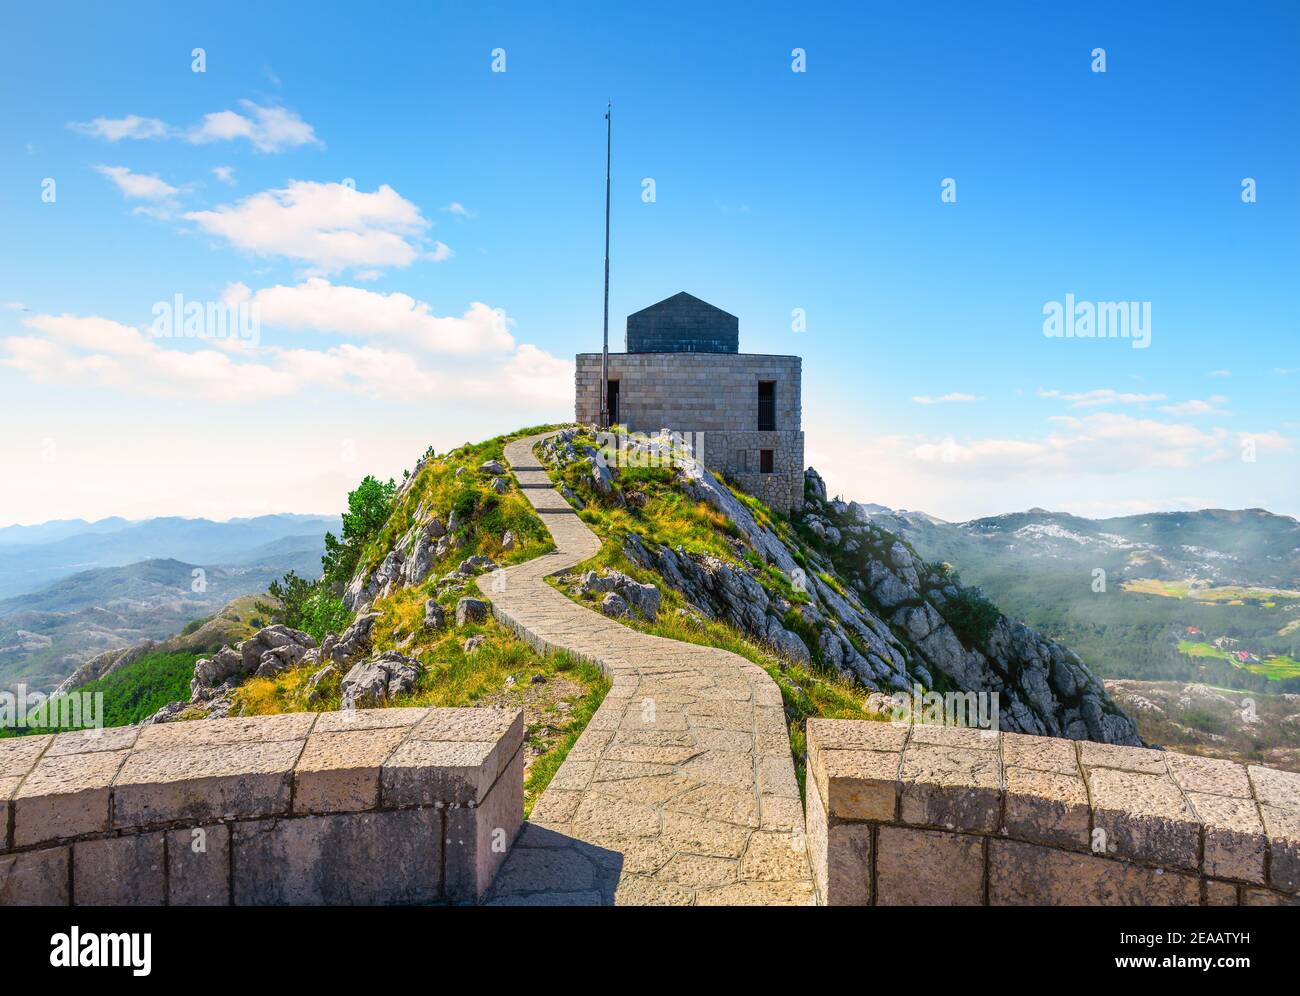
1140,596
33,556
71,589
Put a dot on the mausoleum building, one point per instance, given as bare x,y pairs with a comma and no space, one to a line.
683,371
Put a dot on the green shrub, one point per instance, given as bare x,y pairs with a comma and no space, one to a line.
369,507
972,617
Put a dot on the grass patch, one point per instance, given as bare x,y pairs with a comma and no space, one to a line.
133,692
503,671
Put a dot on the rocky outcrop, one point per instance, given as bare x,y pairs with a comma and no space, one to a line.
372,683
472,610
266,654
102,665
860,601
1041,687
643,599
352,643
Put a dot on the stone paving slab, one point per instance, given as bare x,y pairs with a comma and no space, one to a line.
681,791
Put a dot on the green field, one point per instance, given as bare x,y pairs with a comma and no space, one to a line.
136,691
1276,668
1267,598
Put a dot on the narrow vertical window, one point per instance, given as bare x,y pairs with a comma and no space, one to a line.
766,405
766,461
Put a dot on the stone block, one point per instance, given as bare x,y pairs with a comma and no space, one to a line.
235,730
479,838
1234,837
35,878
951,787
817,829
65,797
1208,775
1047,807
1279,789
1040,753
119,871
353,859
852,734
1267,897
1283,829
351,720
1094,755
1031,875
858,784
928,868
1220,893
848,865
205,782
437,773
18,755
339,772
88,741
955,736
1144,817
198,866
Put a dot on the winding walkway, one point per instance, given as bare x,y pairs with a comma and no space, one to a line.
681,790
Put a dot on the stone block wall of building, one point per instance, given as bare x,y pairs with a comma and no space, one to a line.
715,394
902,815
737,454
379,806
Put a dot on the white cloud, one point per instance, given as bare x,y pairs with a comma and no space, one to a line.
1220,373
226,174
267,128
116,129
459,210
1196,407
1101,443
328,225
320,306
925,399
1102,396
94,351
91,351
138,186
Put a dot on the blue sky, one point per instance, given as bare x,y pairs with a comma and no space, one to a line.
775,191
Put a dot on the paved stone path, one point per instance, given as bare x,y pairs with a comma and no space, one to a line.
681,790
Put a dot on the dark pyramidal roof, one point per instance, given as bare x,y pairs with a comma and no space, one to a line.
683,324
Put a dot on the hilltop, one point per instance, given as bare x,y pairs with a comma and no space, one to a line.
840,612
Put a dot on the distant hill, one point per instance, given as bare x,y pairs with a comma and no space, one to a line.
1174,583
57,529
32,557
47,633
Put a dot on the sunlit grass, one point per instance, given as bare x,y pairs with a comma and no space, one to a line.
500,673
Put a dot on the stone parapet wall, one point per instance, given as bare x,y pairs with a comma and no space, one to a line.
921,815
373,806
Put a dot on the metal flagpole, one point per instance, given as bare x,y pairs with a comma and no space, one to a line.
604,356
